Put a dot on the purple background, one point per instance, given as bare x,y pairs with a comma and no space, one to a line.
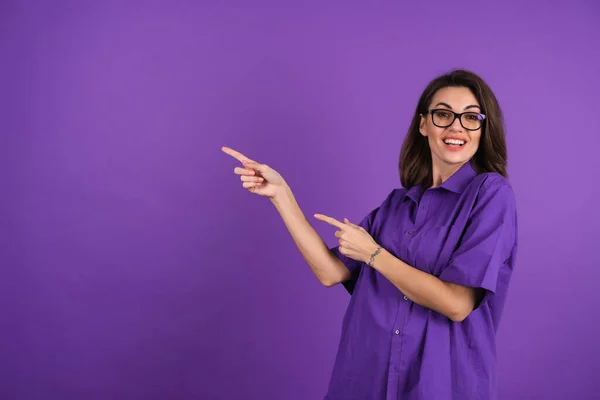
134,266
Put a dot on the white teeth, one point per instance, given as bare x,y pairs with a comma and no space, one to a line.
454,141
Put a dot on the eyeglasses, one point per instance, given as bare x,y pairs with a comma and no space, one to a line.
443,118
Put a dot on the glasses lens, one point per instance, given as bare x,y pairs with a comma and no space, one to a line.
471,120
442,118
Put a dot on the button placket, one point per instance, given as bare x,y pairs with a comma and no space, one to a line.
422,209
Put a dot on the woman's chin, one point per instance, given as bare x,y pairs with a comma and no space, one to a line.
455,159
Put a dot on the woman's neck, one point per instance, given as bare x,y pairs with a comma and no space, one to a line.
441,172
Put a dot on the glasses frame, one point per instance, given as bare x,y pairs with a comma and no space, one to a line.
456,115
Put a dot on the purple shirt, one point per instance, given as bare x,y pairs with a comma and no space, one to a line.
464,232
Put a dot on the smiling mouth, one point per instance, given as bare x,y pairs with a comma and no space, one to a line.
454,142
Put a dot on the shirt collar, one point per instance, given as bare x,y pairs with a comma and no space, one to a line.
415,193
456,183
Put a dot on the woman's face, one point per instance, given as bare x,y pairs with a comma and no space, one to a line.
451,143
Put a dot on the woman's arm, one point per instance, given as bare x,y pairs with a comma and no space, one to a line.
328,268
263,180
452,300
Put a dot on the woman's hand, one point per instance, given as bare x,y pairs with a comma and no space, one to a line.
355,242
257,178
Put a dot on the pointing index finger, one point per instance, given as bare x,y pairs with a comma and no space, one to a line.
330,220
235,154
347,221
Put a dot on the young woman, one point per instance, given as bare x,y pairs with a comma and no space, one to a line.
429,269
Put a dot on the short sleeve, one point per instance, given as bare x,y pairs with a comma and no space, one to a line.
484,256
355,266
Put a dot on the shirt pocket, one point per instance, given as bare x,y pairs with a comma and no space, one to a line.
429,248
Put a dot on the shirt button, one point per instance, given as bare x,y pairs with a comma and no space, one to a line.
397,332
410,232
405,298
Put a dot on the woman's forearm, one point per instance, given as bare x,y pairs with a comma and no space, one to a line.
328,268
454,301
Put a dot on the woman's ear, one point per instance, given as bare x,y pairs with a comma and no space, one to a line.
422,125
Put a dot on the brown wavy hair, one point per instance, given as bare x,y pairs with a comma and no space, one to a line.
415,156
